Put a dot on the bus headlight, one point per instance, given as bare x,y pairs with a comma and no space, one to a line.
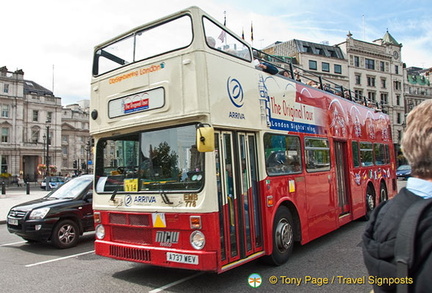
100,232
197,240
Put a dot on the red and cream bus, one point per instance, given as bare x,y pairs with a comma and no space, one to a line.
204,162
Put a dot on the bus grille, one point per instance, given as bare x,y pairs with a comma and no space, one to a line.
131,235
134,254
129,219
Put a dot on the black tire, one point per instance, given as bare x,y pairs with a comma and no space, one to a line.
283,237
65,234
383,193
370,202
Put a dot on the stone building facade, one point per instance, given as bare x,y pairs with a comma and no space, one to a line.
31,125
417,86
75,138
376,72
314,60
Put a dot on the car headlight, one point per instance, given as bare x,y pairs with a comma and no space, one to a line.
39,213
197,240
100,232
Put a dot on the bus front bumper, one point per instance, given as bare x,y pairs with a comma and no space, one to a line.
159,256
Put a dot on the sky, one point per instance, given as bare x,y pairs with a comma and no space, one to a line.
52,41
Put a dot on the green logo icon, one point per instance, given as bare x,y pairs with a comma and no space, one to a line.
254,280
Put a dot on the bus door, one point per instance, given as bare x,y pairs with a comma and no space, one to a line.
249,209
340,149
236,170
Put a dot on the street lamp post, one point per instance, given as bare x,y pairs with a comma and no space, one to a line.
47,160
44,157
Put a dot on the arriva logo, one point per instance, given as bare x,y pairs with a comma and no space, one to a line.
235,92
128,200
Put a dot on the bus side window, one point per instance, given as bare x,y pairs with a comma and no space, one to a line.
282,154
355,154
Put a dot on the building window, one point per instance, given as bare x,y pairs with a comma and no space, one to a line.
372,97
6,88
397,85
398,100
65,138
5,134
35,115
35,136
369,63
5,111
356,61
398,118
371,81
49,116
383,83
357,79
313,65
325,67
384,98
382,66
319,51
358,94
65,150
338,68
307,49
4,163
396,69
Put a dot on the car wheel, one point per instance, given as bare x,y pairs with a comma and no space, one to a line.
65,234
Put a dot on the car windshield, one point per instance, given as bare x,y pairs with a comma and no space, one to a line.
72,188
404,167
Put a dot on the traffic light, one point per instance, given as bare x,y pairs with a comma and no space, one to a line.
75,164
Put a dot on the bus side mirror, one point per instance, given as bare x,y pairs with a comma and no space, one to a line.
205,138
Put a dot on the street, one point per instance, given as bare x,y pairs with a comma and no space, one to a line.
335,259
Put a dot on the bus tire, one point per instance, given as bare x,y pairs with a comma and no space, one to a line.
370,202
383,192
283,237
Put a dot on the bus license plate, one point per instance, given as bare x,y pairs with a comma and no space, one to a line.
13,222
182,258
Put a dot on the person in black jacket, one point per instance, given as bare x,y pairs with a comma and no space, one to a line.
379,237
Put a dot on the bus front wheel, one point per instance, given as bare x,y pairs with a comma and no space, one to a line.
283,236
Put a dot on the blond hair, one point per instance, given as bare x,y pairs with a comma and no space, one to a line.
417,140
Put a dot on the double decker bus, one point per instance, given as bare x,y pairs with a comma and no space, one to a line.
205,162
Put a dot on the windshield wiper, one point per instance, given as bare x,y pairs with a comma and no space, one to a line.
165,198
114,194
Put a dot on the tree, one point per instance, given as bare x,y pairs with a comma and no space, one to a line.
164,161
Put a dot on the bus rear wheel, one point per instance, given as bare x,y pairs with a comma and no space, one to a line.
370,202
283,237
383,193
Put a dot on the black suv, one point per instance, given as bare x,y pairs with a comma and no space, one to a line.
60,217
